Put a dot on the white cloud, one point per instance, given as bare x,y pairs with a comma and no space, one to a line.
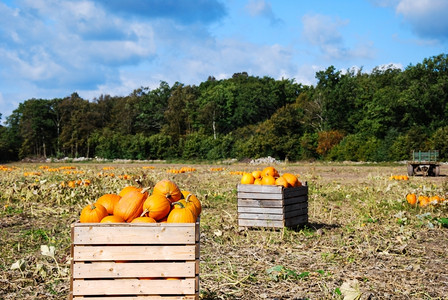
262,8
306,74
324,32
428,18
391,65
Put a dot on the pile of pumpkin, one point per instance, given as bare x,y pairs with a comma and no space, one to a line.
423,201
399,177
270,176
166,203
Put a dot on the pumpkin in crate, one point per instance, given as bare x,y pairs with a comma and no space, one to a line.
112,219
181,214
93,213
156,206
189,197
282,181
291,179
270,171
247,178
144,220
268,180
168,189
127,189
130,205
109,201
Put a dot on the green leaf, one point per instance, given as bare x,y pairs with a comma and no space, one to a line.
337,291
275,269
443,221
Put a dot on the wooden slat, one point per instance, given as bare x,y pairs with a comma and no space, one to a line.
292,222
260,203
130,269
276,217
296,213
259,223
267,204
134,287
255,188
127,252
261,210
295,192
197,230
71,261
269,196
296,206
300,199
134,235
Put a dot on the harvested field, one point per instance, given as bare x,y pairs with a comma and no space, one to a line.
363,239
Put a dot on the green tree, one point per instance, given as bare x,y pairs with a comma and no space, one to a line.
150,108
35,127
439,141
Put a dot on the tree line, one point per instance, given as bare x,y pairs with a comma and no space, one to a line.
352,115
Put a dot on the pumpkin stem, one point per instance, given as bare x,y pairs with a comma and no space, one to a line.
178,203
145,189
144,212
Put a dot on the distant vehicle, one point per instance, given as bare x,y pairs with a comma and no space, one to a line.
424,163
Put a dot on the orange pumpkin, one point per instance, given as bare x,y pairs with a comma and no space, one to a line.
130,205
435,199
282,181
189,197
127,189
268,180
143,220
168,189
93,213
181,214
291,179
191,206
247,178
270,171
256,174
109,201
112,219
156,206
411,198
423,201
258,181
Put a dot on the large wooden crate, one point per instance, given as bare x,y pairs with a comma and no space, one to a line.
134,261
272,206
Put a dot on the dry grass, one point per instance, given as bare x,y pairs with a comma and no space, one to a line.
362,237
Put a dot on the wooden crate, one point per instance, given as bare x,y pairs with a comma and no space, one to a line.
133,261
272,206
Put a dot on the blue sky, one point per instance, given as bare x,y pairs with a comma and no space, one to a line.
52,48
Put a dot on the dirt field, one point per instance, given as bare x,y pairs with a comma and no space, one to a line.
363,239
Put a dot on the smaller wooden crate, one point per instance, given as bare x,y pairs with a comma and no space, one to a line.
272,206
133,261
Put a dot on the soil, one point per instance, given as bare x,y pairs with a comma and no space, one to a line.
362,239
